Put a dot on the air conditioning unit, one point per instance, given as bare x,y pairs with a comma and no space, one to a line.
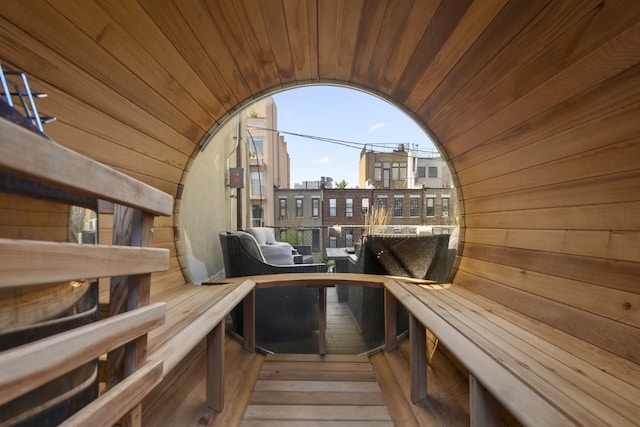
445,214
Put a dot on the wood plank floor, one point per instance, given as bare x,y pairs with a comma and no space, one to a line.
312,390
342,334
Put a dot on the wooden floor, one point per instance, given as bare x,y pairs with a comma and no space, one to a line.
379,384
313,390
342,334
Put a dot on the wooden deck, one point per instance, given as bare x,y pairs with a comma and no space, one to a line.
254,382
313,390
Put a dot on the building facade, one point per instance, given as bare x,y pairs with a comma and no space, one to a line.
269,163
348,213
298,218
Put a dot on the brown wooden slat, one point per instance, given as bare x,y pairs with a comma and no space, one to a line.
440,27
551,62
607,102
617,338
329,13
583,269
171,22
615,373
279,44
554,377
503,28
39,159
36,262
302,21
622,153
29,366
371,64
617,246
617,187
94,21
472,24
174,350
563,22
590,217
103,67
525,403
104,150
326,413
110,406
370,17
221,52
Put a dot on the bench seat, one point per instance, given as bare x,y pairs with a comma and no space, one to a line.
543,376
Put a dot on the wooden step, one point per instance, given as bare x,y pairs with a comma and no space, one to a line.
317,390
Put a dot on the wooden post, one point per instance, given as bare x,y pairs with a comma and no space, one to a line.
322,320
249,321
215,368
131,227
390,321
418,335
484,408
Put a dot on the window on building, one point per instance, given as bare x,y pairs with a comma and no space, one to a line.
315,207
257,215
257,181
386,174
395,174
315,240
256,148
365,206
414,206
333,241
283,208
445,207
348,238
431,206
333,207
382,202
377,171
348,210
403,171
398,206
422,171
299,205
433,171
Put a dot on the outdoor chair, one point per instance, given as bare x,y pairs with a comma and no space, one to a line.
281,312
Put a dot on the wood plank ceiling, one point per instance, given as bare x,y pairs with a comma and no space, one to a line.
534,103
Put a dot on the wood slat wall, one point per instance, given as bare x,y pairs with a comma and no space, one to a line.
534,103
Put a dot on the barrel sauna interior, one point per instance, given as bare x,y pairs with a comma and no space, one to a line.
534,105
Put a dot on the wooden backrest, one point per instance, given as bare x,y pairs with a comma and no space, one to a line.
34,168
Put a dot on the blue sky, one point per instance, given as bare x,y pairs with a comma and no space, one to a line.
342,114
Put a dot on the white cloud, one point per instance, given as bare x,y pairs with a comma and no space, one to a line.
323,160
377,126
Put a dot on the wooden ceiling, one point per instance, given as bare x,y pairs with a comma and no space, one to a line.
535,103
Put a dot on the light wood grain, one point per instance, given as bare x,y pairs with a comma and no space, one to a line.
26,367
110,406
36,262
37,158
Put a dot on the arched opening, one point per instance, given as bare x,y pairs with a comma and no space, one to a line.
324,168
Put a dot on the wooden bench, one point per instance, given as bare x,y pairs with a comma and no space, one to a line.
182,315
541,375
32,167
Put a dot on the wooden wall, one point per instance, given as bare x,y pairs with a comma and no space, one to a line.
535,103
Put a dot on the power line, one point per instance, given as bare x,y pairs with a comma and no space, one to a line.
349,144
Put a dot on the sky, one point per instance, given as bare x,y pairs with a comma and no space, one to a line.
338,113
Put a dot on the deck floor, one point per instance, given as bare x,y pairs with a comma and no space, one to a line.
340,389
313,390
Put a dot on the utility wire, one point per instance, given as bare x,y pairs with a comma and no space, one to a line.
350,144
